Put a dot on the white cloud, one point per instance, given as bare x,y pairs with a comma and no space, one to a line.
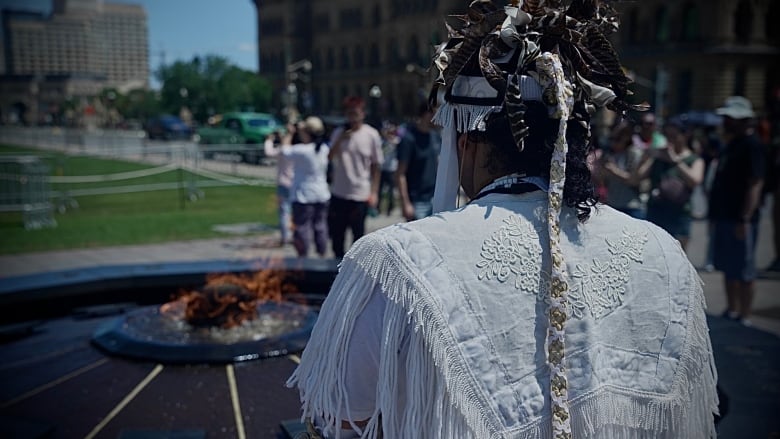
247,47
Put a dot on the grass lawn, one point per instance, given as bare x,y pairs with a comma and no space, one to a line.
134,218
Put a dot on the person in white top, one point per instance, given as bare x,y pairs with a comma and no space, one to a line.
309,191
532,311
284,176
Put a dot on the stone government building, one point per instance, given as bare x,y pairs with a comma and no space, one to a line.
686,55
69,55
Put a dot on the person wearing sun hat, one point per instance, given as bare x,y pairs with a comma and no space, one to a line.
734,204
309,191
531,311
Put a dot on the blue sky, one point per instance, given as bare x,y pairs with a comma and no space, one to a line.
185,28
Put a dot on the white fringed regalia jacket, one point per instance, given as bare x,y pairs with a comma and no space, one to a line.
455,346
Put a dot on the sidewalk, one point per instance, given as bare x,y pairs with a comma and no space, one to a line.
234,247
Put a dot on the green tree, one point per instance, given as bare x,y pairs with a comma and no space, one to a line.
211,85
137,105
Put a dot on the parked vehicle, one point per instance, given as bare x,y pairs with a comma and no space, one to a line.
167,127
246,129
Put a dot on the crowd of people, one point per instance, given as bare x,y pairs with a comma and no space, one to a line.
328,183
651,172
644,170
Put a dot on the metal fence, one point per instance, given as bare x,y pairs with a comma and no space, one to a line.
25,188
97,142
198,166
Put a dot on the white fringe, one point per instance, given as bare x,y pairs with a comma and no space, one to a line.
439,400
463,117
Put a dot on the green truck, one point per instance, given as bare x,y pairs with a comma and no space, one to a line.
242,133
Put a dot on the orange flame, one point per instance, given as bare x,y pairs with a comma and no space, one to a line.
227,300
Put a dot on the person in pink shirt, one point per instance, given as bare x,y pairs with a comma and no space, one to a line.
356,155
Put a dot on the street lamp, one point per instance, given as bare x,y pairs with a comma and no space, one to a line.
292,101
297,71
414,68
375,94
184,110
303,64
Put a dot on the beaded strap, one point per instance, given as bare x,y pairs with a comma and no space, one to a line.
559,92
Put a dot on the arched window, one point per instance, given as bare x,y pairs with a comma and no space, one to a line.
331,98
373,55
690,22
413,49
316,97
317,60
662,25
740,81
743,21
344,63
393,57
772,18
360,60
331,59
684,91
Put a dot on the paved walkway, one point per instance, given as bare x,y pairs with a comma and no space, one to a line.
242,247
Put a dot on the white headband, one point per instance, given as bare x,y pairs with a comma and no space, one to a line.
464,117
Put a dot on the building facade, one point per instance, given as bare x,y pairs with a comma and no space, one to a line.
686,55
380,50
691,55
83,45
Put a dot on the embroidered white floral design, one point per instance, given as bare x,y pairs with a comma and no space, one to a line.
602,284
515,250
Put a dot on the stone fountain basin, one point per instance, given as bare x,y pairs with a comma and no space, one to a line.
60,293
149,334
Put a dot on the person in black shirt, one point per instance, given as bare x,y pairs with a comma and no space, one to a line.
734,205
772,184
418,154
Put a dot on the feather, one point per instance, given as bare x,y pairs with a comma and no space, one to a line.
583,10
515,110
483,18
487,52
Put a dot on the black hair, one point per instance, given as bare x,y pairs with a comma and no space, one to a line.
318,140
534,159
423,107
